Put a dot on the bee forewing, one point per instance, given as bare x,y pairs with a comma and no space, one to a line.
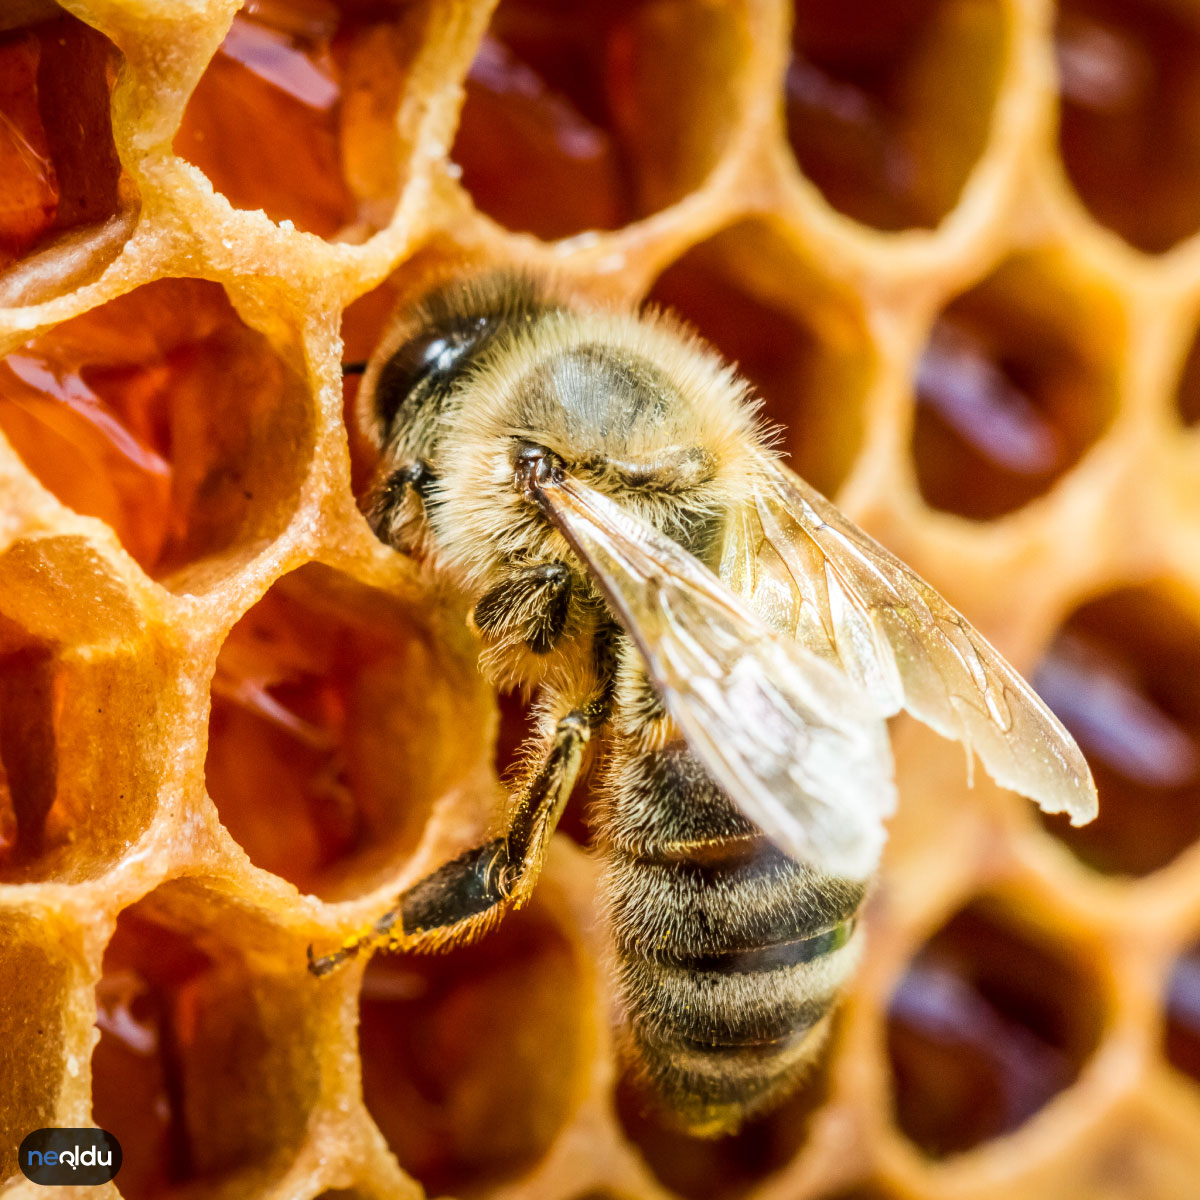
793,742
888,627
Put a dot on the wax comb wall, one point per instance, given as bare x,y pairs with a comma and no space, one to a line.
953,244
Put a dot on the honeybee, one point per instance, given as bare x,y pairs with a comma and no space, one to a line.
709,637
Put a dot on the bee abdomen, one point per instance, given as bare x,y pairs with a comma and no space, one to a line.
730,955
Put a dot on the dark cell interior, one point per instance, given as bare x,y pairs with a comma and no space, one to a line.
1182,1039
889,105
165,416
57,158
327,746
296,112
188,1035
1129,129
1187,398
725,1167
1123,675
803,348
470,1059
585,116
1015,384
988,1024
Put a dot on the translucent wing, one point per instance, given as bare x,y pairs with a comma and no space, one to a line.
787,735
852,602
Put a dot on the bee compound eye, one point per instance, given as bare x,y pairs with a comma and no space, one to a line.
430,356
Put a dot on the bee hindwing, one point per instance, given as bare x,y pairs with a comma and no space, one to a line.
793,741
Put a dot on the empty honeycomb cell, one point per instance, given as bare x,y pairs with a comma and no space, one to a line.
296,113
1018,379
164,415
327,742
57,158
1187,398
727,1167
889,105
472,1060
586,116
1123,675
801,344
1182,1039
1129,77
991,1020
35,981
71,800
205,1067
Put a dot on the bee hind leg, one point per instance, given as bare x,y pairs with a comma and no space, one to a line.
463,898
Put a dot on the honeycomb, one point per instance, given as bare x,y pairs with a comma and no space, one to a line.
951,242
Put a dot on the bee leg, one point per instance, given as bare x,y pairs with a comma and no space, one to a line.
387,497
531,606
465,897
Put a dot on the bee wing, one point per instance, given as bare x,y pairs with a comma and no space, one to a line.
854,602
787,735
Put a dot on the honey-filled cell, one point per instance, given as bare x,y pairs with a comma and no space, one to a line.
586,116
1187,395
335,727
296,113
1129,121
726,1167
473,1060
164,415
1017,381
803,346
990,1021
58,163
1123,675
205,1066
1181,1039
889,105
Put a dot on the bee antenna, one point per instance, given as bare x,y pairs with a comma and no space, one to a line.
353,368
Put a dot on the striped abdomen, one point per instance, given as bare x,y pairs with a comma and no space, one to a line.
730,956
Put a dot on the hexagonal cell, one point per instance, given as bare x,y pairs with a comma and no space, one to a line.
1187,396
1181,1042
474,1060
726,1167
1129,75
803,346
205,1067
165,416
36,982
296,113
1017,381
585,116
57,158
889,105
337,722
1123,675
81,716
991,1020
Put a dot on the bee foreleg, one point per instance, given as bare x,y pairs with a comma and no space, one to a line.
385,506
529,606
466,896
